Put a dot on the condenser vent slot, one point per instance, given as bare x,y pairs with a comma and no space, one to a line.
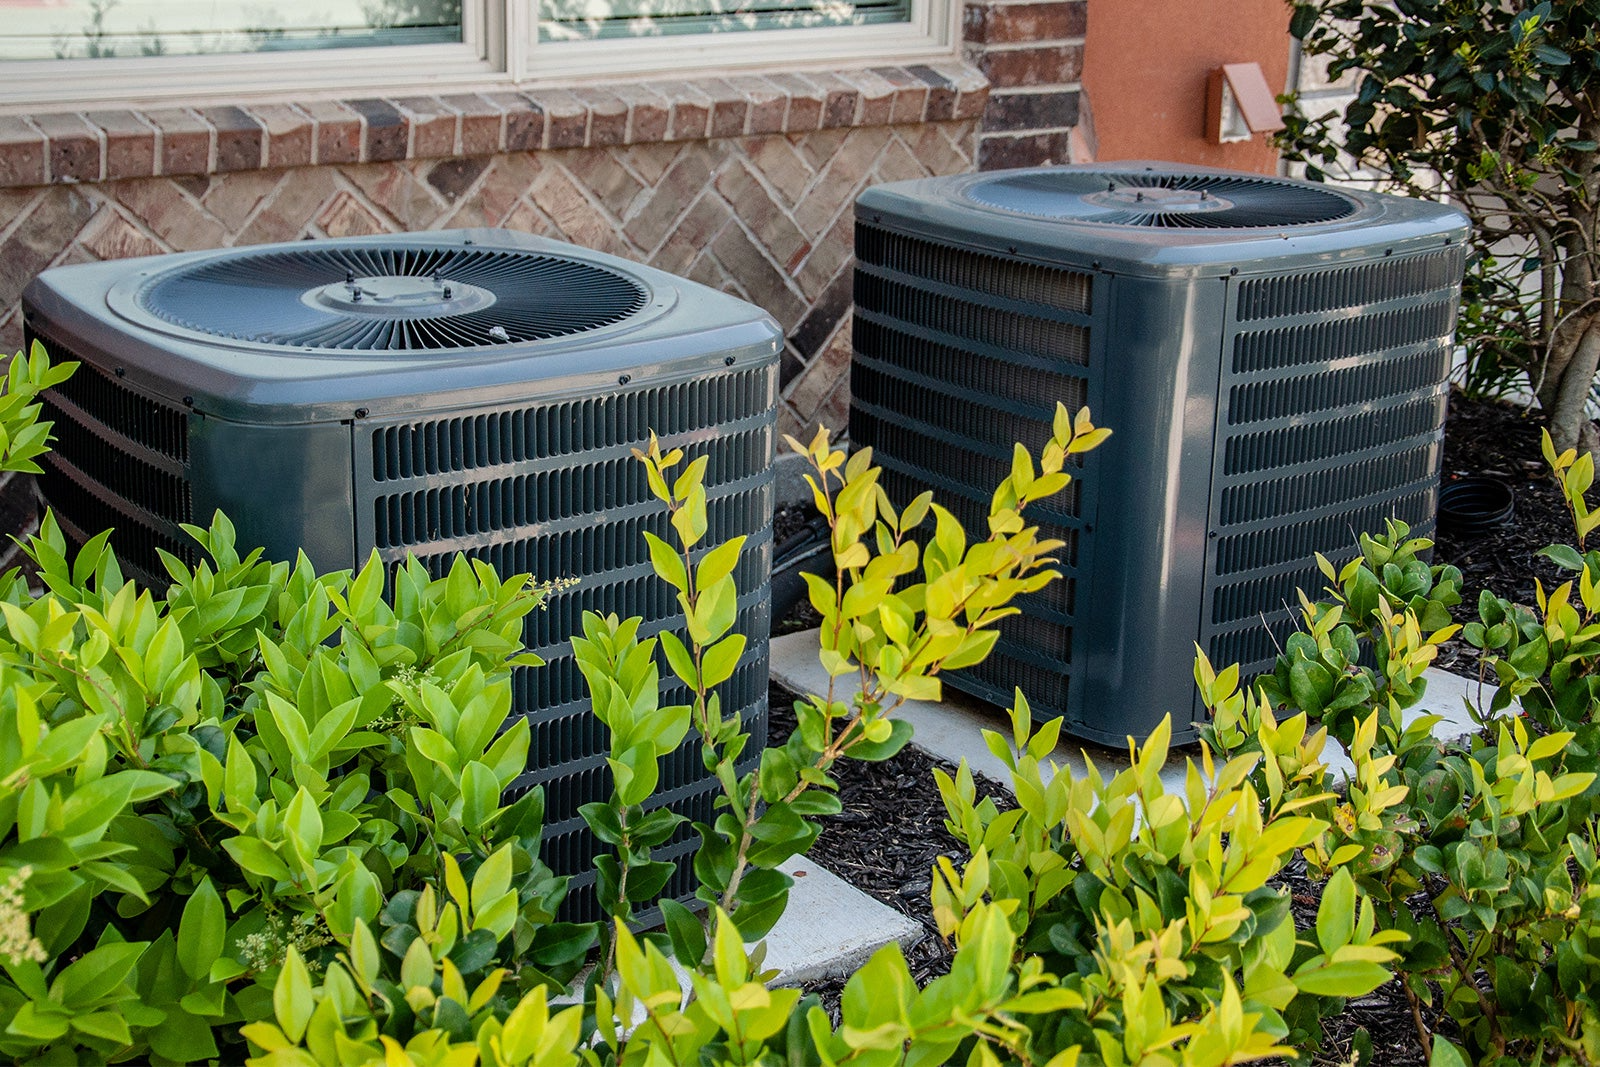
1003,330
1324,488
464,510
139,483
1272,449
1037,382
499,437
1331,390
969,423
1008,279
1001,675
1256,646
1325,342
1369,283
957,469
154,425
1243,600
88,514
596,548
1279,545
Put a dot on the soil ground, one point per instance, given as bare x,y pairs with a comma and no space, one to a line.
891,831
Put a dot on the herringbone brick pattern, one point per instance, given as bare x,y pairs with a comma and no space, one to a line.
767,218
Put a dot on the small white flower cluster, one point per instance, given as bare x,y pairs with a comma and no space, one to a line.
17,943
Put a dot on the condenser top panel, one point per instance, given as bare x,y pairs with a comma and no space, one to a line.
1160,218
390,324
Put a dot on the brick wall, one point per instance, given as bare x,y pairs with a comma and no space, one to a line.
1031,52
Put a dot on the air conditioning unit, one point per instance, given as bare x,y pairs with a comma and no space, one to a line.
1271,356
474,391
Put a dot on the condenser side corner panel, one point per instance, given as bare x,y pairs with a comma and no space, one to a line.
1144,591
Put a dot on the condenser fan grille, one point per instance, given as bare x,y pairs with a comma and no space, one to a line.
1163,200
392,299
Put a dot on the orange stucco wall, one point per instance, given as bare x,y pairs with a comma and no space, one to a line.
1145,68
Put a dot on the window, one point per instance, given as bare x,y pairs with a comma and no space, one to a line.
66,53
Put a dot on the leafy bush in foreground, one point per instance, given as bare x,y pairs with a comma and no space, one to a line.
261,819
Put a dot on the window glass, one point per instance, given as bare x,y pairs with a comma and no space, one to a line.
94,29
583,20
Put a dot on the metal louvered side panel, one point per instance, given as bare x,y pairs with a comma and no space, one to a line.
120,461
552,489
958,355
1330,420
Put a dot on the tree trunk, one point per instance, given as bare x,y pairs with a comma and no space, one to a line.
1569,420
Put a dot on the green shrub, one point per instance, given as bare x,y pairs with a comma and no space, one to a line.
1483,851
261,819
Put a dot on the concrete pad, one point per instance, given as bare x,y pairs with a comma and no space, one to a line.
953,729
830,927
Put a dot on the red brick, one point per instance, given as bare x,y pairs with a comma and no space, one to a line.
566,118
291,135
971,103
608,117
338,132
1023,23
1021,67
433,126
130,144
876,97
22,153
911,94
387,131
75,147
239,138
1020,111
481,123
648,113
806,100
730,111
524,121
1001,151
941,94
691,112
839,99
768,104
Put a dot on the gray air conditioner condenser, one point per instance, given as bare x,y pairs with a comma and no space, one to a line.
1270,355
475,391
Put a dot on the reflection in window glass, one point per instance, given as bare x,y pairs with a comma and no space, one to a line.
95,29
583,20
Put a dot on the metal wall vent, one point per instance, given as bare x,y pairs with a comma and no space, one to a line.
197,393
1270,395
369,298
1156,198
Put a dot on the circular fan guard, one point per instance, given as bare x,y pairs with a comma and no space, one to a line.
417,298
1156,199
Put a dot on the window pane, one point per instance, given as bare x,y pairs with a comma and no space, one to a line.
584,20
80,29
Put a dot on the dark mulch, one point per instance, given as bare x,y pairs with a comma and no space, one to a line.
1501,441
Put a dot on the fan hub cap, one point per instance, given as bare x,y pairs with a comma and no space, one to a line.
399,296
1158,198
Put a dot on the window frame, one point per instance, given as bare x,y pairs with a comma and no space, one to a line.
500,51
